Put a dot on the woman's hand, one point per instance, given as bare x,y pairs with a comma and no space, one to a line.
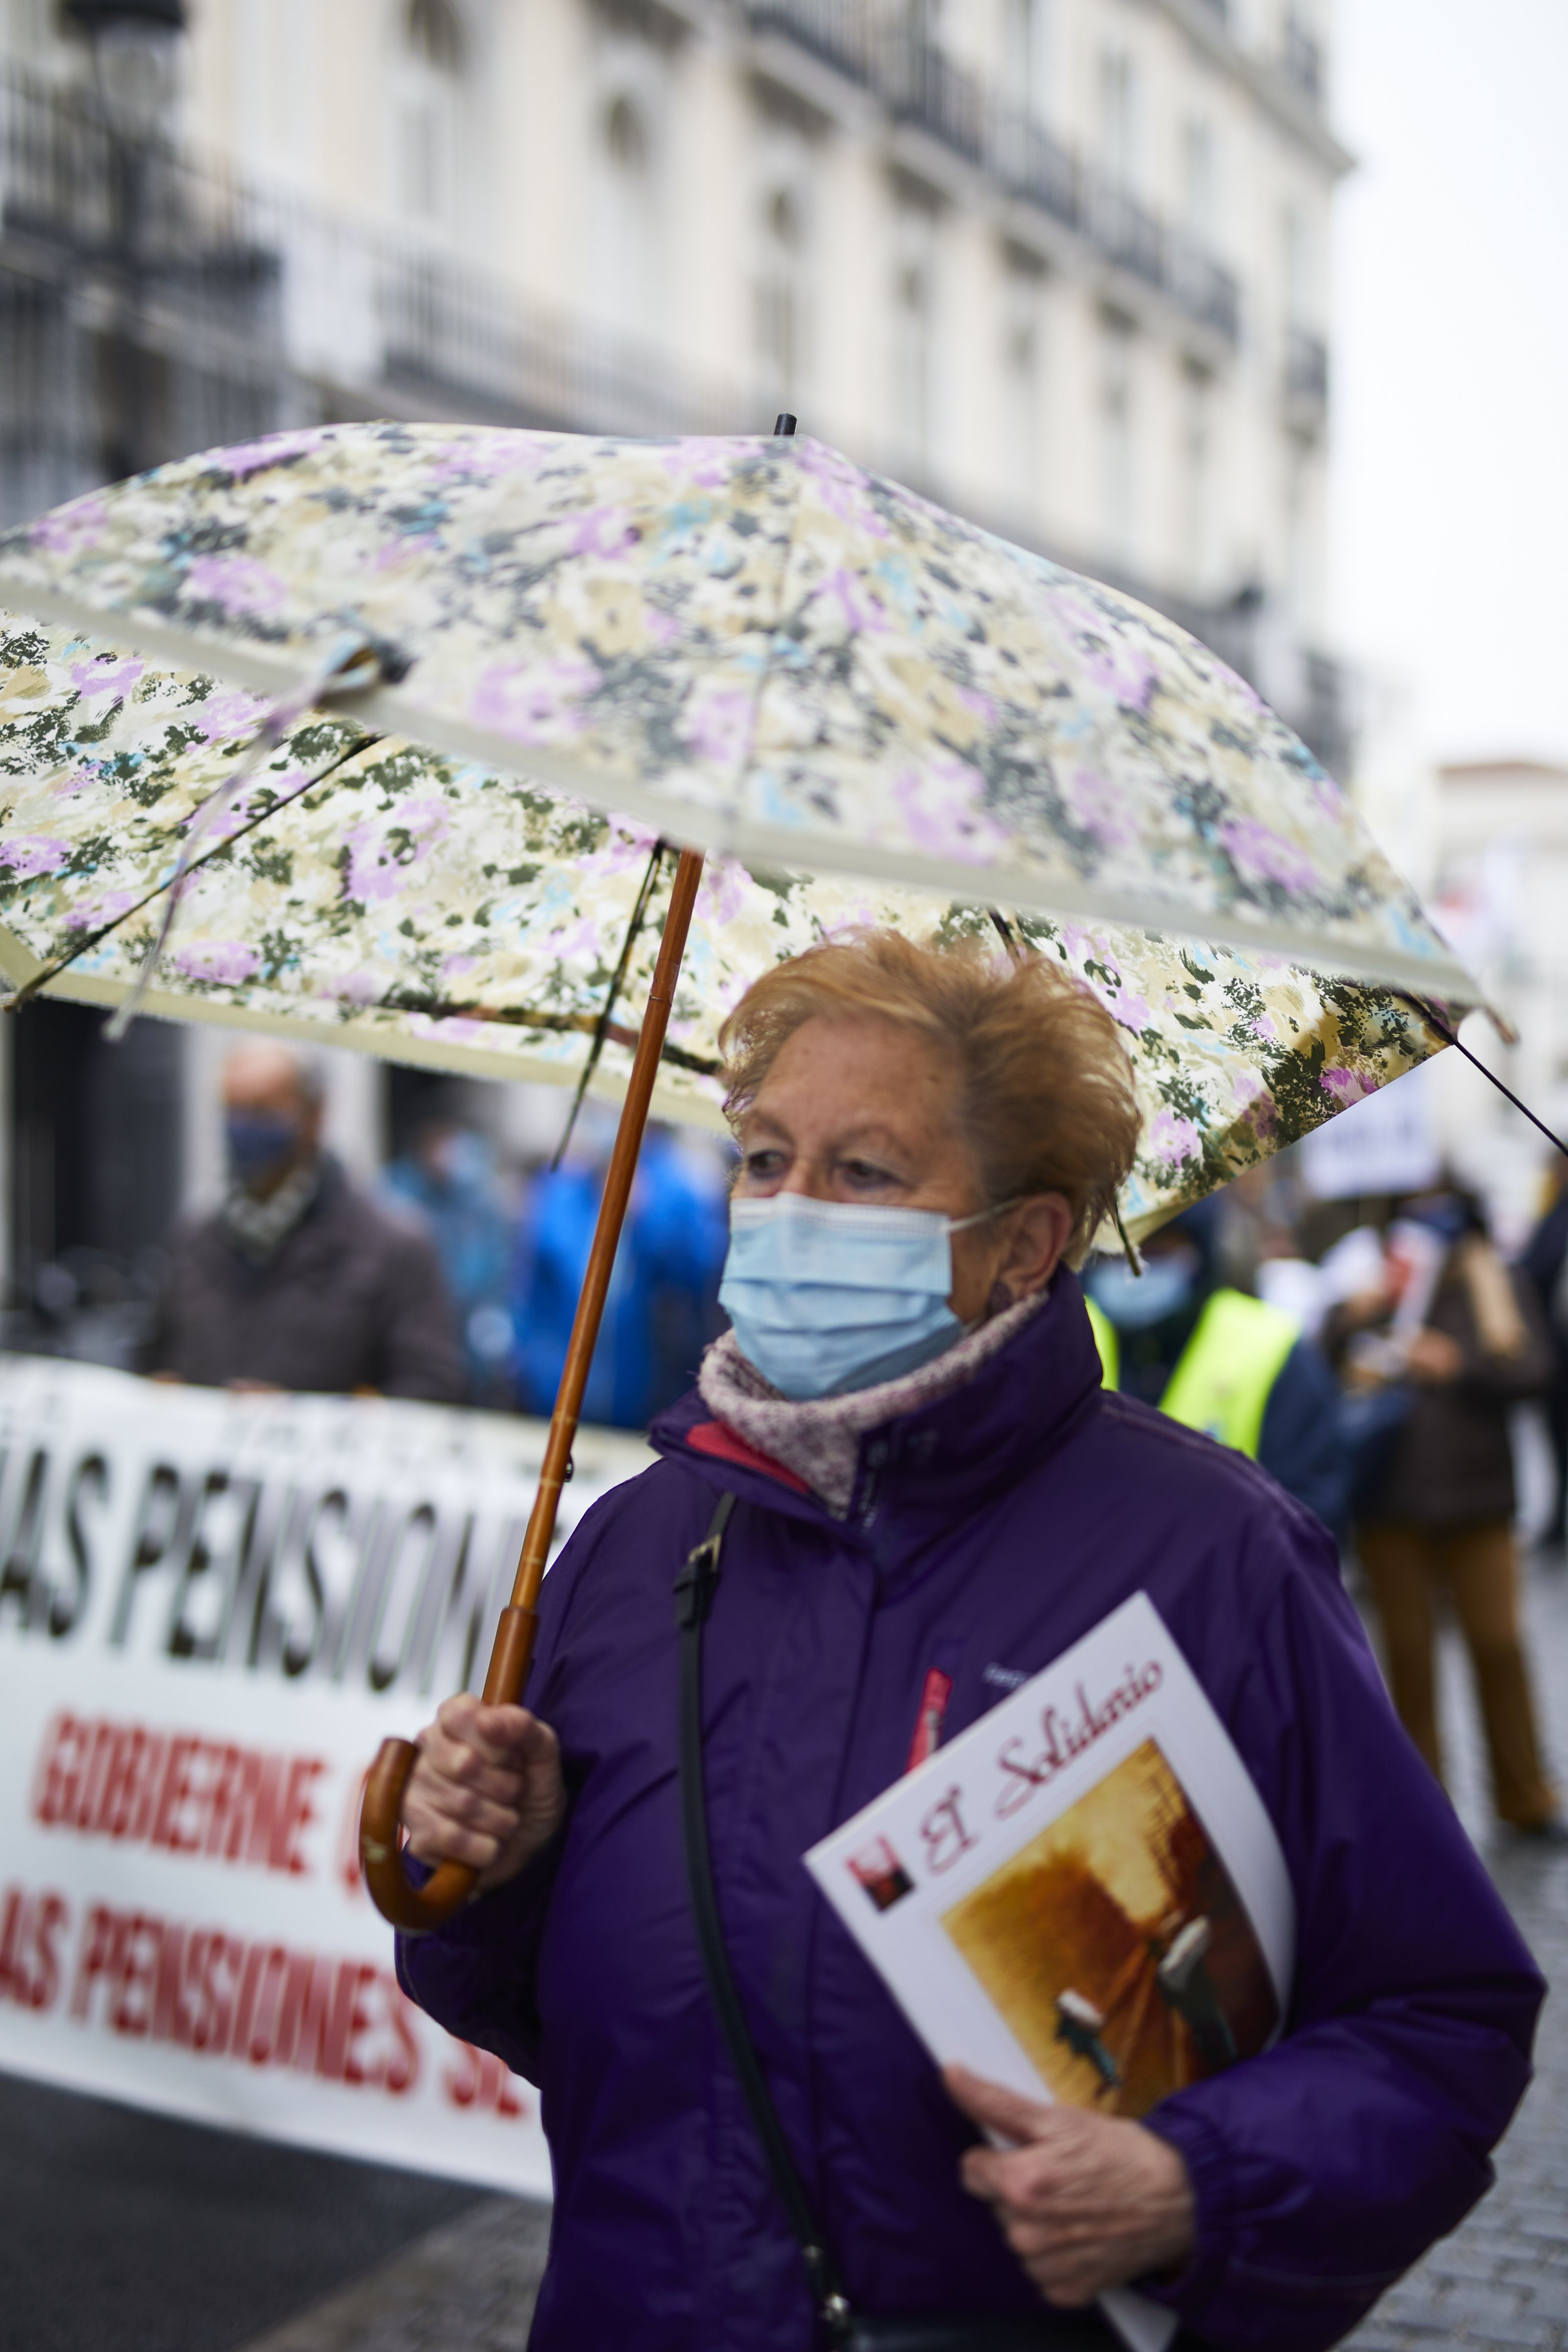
1085,2202
1434,1359
486,1789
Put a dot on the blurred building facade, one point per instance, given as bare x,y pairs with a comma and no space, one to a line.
1500,830
1063,264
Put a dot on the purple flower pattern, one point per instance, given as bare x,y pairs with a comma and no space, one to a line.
757,642
755,637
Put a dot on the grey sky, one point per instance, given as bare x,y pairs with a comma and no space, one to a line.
1450,503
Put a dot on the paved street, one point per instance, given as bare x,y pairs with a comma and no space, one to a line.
1501,2280
124,2231
130,2234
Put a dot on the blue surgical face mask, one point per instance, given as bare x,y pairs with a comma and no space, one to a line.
257,1142
1136,1302
827,1296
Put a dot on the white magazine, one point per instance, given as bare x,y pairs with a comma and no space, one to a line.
1081,1896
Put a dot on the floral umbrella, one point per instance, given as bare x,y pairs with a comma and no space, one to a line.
560,653
366,892
756,647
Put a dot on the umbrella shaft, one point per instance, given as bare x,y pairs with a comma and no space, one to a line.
514,1636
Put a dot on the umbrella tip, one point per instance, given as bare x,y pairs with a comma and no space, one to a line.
783,422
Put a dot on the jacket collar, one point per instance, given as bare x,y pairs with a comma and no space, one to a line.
925,1468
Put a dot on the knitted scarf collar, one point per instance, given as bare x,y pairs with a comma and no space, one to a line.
258,1229
819,1437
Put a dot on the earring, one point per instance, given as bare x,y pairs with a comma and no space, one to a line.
1001,1298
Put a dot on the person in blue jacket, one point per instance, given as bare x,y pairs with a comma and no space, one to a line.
448,1177
662,1308
1180,1338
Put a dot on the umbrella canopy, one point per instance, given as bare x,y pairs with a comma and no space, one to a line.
756,648
371,893
749,647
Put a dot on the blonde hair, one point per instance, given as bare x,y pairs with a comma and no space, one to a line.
1044,1085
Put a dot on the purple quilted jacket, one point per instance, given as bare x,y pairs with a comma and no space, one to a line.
987,1531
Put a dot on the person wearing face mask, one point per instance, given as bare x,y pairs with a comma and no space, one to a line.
1179,1337
297,1280
925,1494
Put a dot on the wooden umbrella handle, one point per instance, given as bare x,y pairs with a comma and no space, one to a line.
416,1909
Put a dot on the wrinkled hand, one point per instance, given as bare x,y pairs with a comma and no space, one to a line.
486,1789
1085,2202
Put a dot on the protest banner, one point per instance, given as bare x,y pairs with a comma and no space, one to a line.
1387,1143
213,1608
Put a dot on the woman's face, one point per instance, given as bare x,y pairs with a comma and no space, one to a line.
862,1110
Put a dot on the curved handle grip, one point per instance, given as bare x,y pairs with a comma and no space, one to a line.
415,1909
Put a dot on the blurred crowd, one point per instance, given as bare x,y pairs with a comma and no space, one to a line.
454,1280
1371,1352
1374,1353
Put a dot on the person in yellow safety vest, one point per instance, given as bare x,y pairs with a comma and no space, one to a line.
1216,1359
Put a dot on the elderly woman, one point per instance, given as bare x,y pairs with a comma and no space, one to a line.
933,1492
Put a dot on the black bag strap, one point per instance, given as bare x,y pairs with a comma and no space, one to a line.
694,1591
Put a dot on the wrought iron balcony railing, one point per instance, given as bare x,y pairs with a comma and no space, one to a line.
1032,164
839,32
919,83
1127,232
151,304
1203,287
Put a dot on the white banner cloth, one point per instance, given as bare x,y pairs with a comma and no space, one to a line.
213,1609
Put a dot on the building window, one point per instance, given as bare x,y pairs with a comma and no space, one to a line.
1296,268
1298,583
625,139
1025,61
432,74
436,33
1196,476
780,323
1118,126
1200,206
1117,487
913,341
1022,393
626,229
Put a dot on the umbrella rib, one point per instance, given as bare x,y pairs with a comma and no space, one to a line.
1449,1038
523,1016
349,664
1005,933
29,987
617,981
724,831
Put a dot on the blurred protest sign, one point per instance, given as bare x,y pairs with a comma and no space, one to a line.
1385,1143
212,1608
